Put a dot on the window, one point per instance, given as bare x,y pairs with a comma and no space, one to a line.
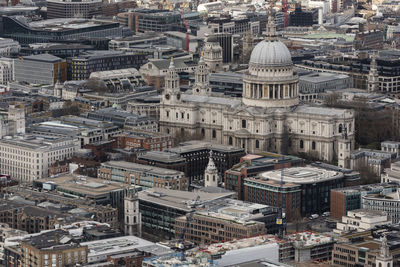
203,133
243,123
230,140
182,131
167,113
214,134
183,115
213,178
313,145
301,144
187,116
340,128
257,144
177,115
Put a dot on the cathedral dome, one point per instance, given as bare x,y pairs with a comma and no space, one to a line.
271,53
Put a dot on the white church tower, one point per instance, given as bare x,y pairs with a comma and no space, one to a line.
132,216
384,258
58,87
344,149
373,77
211,173
202,79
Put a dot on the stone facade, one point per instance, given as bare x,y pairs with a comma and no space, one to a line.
267,118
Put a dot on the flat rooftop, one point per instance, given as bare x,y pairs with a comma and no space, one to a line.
66,24
135,167
181,200
366,188
90,187
302,175
123,244
32,141
321,77
195,145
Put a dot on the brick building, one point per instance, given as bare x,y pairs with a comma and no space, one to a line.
151,141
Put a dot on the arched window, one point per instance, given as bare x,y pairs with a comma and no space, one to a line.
214,134
257,144
203,132
380,264
340,128
134,219
301,144
230,140
167,131
208,178
313,145
213,178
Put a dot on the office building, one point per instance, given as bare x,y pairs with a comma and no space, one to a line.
159,208
151,141
61,50
306,190
164,159
80,68
40,69
54,248
9,47
251,165
55,30
12,121
27,158
366,248
197,152
138,40
85,9
375,160
388,202
362,220
124,119
6,71
155,20
218,227
300,17
312,86
143,175
391,146
350,198
121,80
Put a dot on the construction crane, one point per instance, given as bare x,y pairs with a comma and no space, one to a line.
181,241
187,30
284,7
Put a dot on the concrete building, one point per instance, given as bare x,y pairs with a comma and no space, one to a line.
86,9
12,121
389,203
312,86
267,110
362,220
391,146
143,175
159,208
6,71
375,160
27,158
392,174
102,252
9,47
124,119
346,199
178,40
121,80
40,69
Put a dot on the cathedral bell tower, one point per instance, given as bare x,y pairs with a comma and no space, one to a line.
172,92
202,79
344,149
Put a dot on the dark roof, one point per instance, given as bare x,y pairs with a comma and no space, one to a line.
57,239
43,58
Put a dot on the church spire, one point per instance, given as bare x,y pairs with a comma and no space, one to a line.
211,173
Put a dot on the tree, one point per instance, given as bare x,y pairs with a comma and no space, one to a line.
182,136
96,85
69,108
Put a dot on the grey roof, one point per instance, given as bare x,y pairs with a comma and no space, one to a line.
140,168
163,156
320,111
195,145
321,77
44,58
227,101
163,64
180,200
